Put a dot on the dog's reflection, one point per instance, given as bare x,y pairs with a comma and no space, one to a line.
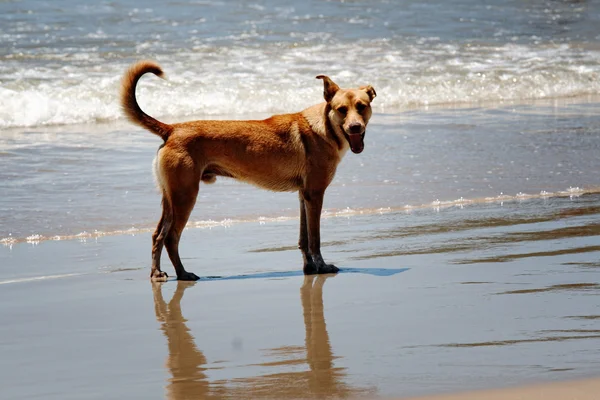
187,364
323,378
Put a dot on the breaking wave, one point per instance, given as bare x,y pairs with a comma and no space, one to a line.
241,81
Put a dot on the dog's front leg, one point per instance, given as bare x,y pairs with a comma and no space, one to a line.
309,266
311,204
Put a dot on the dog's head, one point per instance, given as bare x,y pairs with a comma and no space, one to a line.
351,110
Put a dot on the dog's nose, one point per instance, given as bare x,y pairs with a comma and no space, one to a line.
355,128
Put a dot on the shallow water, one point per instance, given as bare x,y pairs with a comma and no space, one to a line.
481,64
60,183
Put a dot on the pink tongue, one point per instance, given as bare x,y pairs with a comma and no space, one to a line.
356,143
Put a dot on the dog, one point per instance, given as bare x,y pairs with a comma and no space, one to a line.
289,153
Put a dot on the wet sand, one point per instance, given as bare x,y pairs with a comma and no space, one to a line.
572,390
430,301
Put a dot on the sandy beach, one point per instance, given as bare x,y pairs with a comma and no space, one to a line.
484,296
573,390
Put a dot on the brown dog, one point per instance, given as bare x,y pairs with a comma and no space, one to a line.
291,152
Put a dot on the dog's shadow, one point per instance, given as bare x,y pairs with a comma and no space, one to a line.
188,365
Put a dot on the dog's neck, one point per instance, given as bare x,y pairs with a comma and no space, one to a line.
319,118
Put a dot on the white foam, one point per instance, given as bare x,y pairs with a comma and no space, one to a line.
211,81
328,213
37,278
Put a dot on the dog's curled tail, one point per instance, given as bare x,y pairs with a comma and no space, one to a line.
130,105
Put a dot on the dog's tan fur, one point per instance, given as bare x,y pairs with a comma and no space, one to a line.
291,152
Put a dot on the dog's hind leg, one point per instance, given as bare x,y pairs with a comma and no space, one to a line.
158,240
182,203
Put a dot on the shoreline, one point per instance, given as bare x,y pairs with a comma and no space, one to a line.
327,213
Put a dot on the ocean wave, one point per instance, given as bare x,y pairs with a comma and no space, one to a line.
210,81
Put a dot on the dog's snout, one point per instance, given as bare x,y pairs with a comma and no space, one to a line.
355,128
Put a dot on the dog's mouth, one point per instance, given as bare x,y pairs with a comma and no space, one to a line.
356,141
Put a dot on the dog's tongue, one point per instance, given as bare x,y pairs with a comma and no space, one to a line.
356,143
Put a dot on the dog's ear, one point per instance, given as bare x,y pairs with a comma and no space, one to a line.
370,91
330,88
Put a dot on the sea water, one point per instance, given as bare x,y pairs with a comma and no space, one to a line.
476,101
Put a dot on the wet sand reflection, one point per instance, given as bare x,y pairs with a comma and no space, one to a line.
188,365
323,378
185,362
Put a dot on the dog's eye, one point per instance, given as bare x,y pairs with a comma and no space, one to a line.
342,110
360,107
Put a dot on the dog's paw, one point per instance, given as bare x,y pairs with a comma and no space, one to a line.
188,276
314,268
310,269
328,269
158,276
